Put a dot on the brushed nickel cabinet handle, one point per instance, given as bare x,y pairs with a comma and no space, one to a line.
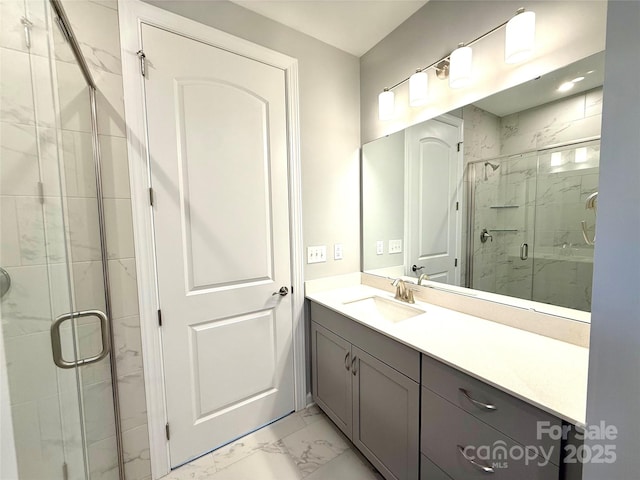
353,365
346,361
479,466
484,406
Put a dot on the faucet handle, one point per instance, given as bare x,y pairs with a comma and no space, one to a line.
410,298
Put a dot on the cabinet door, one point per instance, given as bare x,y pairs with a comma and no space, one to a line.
332,391
386,422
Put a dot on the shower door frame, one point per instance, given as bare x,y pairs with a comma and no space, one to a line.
59,11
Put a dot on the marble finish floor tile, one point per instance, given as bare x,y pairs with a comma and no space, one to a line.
315,445
302,445
348,466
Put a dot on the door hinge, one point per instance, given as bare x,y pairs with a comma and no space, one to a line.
457,205
151,196
27,24
41,192
143,62
455,263
65,471
166,430
159,317
291,289
459,145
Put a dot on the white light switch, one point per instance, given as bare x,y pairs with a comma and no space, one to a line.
395,246
337,251
379,247
317,254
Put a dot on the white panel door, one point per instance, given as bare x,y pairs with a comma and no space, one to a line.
433,185
218,160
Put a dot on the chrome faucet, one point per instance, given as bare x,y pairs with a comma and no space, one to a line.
422,277
403,293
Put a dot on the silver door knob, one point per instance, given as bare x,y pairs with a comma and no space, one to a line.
282,292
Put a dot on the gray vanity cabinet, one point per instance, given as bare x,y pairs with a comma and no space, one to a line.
376,405
385,416
471,430
332,376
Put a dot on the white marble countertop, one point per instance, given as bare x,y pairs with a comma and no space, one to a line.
548,373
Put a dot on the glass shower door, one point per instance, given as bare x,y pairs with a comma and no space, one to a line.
563,263
504,193
60,400
41,407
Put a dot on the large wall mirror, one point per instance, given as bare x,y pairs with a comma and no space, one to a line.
498,197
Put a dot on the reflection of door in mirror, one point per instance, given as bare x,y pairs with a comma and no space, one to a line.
433,165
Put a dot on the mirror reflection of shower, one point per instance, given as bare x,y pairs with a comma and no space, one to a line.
533,212
493,166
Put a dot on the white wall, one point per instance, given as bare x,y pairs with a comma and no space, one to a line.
329,121
614,363
383,201
565,32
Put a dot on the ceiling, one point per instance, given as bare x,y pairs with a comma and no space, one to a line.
350,25
544,89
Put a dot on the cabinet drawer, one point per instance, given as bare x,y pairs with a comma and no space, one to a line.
395,354
446,429
430,471
511,416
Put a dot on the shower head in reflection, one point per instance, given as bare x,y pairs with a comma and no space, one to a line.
493,166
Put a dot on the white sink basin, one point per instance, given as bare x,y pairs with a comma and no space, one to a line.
383,308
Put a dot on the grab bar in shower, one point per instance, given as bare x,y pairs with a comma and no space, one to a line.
56,344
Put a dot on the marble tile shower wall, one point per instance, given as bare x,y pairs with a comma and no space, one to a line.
35,255
481,140
505,205
557,211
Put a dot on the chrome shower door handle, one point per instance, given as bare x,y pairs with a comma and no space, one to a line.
524,251
56,344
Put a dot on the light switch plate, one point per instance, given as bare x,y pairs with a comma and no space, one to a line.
337,251
395,246
317,254
379,247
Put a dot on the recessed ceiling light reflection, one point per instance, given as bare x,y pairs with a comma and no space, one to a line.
565,87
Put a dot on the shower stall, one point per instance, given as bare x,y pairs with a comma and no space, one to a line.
59,414
531,224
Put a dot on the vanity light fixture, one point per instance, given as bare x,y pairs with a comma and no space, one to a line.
460,67
456,67
520,36
418,88
386,105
